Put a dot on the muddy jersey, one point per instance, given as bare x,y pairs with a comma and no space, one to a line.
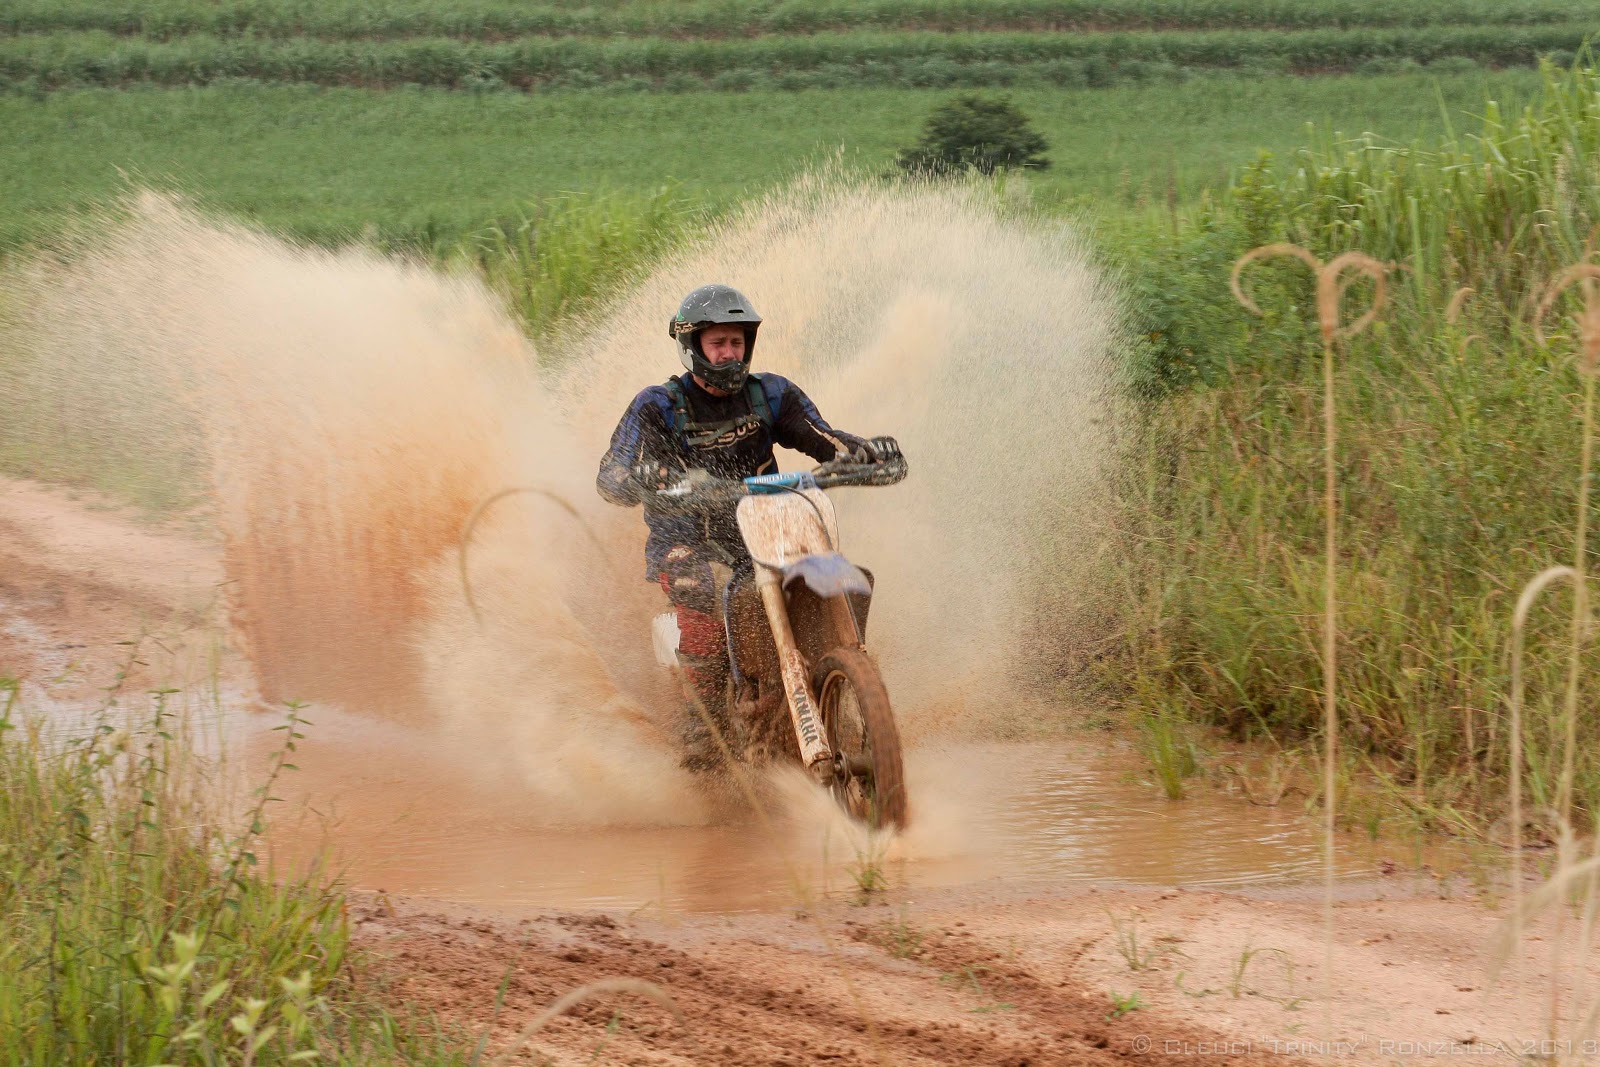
727,436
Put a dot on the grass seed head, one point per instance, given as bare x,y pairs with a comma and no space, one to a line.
1588,320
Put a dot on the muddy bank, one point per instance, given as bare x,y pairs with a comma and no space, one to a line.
778,990
1047,976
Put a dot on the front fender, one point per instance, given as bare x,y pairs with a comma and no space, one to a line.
827,575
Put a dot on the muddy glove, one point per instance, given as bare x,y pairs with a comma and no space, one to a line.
698,491
884,454
879,450
650,477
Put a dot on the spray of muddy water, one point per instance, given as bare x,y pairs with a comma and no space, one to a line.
351,410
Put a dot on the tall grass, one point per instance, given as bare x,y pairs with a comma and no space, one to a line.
708,18
562,257
137,928
1457,471
36,62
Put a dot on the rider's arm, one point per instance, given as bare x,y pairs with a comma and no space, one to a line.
798,424
641,437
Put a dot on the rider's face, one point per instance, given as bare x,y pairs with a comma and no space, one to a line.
722,343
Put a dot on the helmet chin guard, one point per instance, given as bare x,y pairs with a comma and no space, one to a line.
728,377
712,305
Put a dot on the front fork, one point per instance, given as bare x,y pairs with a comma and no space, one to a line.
815,752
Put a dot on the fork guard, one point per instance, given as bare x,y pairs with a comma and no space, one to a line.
827,575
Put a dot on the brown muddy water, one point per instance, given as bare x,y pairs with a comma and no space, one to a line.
395,810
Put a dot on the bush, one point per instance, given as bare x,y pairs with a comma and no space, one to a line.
971,131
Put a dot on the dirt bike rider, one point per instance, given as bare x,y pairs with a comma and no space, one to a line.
721,419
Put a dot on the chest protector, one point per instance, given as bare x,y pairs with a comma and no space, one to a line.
720,437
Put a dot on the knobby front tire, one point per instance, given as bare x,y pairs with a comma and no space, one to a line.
860,726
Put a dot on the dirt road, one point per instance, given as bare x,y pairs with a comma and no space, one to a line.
1008,964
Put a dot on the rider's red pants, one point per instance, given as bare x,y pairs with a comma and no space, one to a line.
702,642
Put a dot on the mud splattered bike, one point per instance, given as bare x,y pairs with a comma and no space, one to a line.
795,612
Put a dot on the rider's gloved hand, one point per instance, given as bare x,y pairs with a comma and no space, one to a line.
719,493
650,477
698,490
879,450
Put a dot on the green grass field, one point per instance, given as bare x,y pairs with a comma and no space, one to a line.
425,166
904,59
718,18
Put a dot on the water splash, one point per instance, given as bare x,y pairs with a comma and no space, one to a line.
350,410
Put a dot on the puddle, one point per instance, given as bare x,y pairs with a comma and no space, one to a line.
394,812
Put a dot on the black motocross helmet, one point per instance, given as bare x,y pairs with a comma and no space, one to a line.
710,305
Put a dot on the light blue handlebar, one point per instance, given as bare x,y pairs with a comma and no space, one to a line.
780,483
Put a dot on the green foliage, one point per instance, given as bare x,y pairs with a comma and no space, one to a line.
978,133
133,930
45,61
331,19
1124,1003
419,170
1172,756
560,258
1457,459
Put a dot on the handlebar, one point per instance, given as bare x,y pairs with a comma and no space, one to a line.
695,495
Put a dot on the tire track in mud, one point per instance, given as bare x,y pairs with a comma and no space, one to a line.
89,594
770,996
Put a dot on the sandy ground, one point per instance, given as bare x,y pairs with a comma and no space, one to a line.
1009,972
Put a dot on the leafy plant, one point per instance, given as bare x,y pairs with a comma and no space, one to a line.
1123,1003
134,929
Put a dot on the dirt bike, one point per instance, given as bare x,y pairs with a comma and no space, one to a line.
795,614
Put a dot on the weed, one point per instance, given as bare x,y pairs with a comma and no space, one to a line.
901,939
972,978
1123,1003
1430,495
613,1027
636,986
1241,964
1172,755
1177,982
866,870
1139,955
1331,288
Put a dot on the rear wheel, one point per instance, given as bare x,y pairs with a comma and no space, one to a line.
870,783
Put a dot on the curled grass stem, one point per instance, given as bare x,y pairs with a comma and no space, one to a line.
1331,286
1587,365
1519,623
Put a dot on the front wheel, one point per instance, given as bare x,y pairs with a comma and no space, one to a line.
870,781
